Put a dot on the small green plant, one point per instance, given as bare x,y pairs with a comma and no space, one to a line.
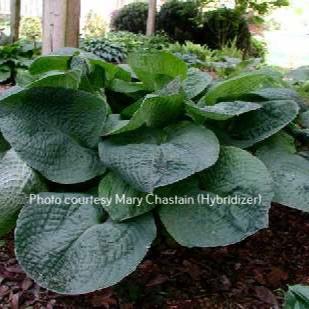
206,158
105,49
31,28
132,17
13,57
95,26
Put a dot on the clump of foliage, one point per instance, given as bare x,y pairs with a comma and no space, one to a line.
223,26
132,17
138,42
14,57
95,26
207,158
116,46
106,49
224,62
179,20
31,28
258,48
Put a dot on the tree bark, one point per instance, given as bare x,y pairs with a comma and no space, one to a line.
15,19
151,20
61,20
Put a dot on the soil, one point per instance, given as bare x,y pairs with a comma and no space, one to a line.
251,274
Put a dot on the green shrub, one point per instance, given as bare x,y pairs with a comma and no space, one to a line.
206,159
132,17
178,19
31,28
223,26
95,26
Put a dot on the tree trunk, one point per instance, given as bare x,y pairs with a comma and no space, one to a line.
60,24
15,19
151,21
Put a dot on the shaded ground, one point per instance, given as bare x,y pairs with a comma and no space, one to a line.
246,275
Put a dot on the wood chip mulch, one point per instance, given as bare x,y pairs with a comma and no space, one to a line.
248,275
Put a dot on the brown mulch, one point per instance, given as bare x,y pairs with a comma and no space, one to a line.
251,274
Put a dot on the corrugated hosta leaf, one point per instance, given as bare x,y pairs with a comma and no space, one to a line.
271,94
290,173
304,119
125,202
297,297
69,79
236,87
65,246
4,146
275,94
199,223
157,69
157,109
55,131
221,111
196,82
17,181
48,63
149,159
256,126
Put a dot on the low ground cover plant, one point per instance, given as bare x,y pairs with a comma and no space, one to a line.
92,152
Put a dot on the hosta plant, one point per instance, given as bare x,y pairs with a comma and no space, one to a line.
92,152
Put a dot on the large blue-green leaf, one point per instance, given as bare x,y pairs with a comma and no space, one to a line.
222,110
289,171
4,145
120,200
157,109
55,131
297,297
271,94
149,159
17,181
299,75
157,69
67,79
236,87
196,82
48,63
304,119
205,219
256,126
66,247
122,86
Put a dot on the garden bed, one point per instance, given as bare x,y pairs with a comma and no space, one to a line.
246,275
